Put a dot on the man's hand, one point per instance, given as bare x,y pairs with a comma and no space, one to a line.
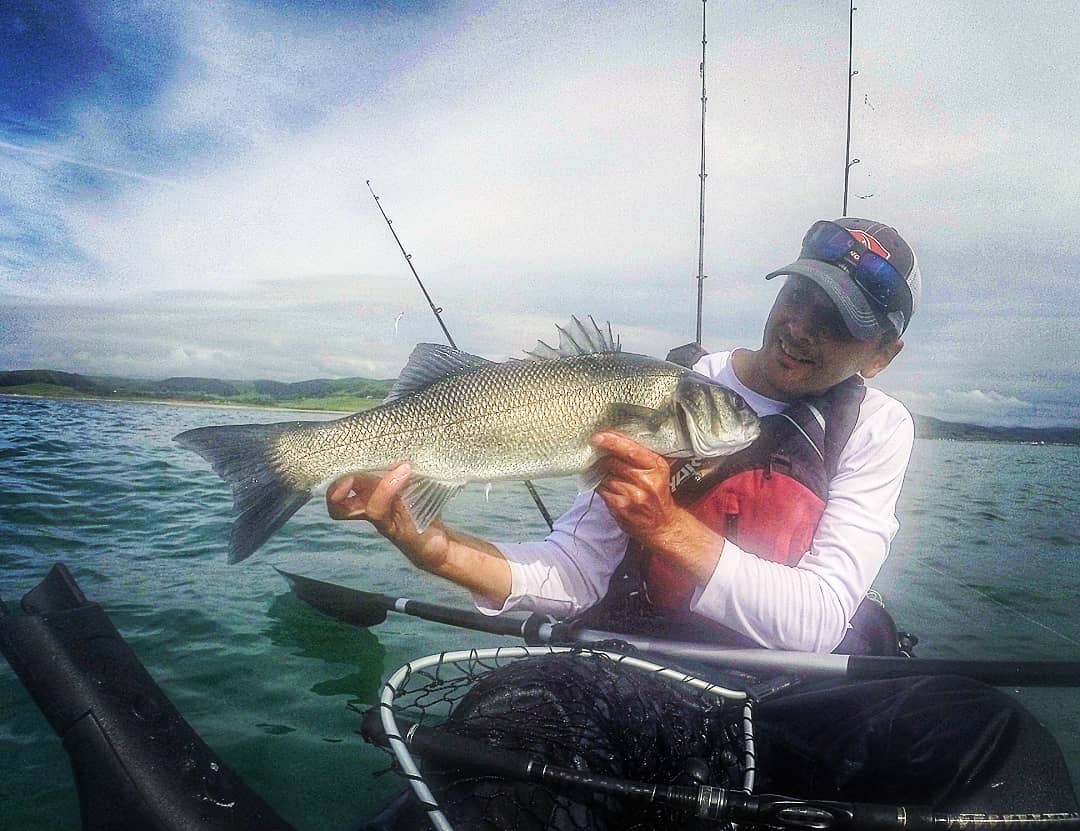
637,487
637,492
468,561
358,496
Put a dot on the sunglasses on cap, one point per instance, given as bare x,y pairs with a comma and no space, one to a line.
879,280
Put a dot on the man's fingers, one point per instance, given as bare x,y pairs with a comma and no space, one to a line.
622,508
621,491
340,488
625,448
363,496
381,501
619,469
338,502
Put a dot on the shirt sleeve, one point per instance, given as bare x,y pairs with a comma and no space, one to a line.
807,607
570,569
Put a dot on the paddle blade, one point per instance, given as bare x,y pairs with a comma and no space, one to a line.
339,602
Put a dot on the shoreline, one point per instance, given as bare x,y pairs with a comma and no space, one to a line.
171,402
180,402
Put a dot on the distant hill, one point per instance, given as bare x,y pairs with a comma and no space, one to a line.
349,394
934,428
339,393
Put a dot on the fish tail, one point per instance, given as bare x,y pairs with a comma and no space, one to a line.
263,498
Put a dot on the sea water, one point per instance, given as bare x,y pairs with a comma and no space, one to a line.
985,565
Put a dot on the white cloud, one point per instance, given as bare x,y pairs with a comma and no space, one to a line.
974,405
540,160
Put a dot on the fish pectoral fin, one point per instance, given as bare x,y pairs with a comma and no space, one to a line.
425,498
635,420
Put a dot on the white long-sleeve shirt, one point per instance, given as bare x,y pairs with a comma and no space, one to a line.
806,606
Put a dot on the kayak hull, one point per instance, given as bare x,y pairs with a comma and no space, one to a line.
136,762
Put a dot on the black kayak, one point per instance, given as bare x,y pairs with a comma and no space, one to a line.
137,763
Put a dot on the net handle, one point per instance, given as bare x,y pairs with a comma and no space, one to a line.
398,743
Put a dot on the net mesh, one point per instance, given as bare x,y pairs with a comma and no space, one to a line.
579,710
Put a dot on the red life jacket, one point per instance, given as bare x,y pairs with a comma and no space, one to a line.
768,498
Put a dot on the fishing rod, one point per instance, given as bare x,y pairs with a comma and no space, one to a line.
701,177
706,802
437,311
848,161
361,608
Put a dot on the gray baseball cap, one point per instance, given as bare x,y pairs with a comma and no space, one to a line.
865,317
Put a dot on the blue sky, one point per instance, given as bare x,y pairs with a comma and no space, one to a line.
182,184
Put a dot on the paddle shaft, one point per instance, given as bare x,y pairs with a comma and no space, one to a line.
852,667
369,609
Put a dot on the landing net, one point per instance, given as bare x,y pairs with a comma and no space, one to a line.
597,712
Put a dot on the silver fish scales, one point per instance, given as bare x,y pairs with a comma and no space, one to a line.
459,418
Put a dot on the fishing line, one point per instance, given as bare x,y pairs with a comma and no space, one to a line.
1000,603
580,519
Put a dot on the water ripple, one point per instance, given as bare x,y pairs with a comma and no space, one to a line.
984,565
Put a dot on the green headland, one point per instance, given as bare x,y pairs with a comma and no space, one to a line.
348,395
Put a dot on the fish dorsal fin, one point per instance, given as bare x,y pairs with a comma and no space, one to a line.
431,362
577,338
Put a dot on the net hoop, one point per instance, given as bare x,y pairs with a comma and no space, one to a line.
395,685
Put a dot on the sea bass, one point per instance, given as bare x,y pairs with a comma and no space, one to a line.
459,418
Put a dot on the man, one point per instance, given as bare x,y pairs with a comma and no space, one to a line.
840,314
775,548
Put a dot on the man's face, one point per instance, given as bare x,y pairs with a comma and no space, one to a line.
807,348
